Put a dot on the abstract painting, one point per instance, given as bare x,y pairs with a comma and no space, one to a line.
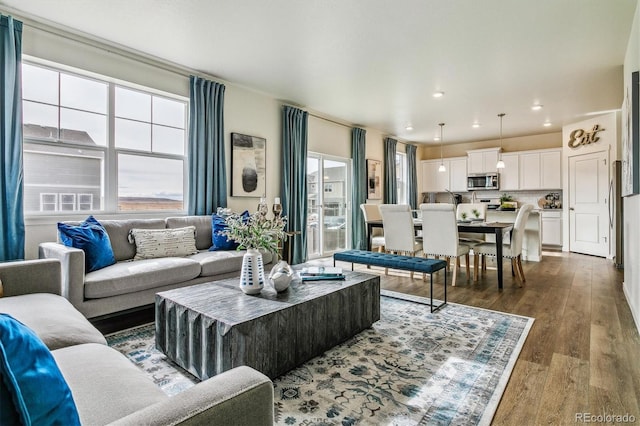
248,166
374,179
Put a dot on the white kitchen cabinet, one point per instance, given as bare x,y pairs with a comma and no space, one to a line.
541,169
510,175
551,227
453,179
458,174
482,160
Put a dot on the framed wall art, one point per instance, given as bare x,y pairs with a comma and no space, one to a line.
248,166
631,138
374,179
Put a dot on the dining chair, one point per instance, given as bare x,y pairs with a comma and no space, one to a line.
399,231
372,212
440,235
471,211
511,250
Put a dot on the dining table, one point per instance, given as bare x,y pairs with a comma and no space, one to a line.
496,228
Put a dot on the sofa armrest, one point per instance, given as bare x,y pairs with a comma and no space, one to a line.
241,396
31,276
72,261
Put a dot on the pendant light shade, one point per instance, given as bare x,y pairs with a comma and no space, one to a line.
442,168
500,164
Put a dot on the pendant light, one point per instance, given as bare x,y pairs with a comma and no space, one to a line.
442,168
500,164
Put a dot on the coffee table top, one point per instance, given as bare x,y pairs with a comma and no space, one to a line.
224,301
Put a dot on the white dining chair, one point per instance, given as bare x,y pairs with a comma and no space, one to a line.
399,232
440,235
372,212
471,211
511,250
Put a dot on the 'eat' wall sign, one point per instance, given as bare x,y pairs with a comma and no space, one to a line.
581,137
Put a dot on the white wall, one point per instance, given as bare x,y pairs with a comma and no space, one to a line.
631,284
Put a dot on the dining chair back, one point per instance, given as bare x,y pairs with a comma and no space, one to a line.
440,234
399,230
470,211
513,249
372,212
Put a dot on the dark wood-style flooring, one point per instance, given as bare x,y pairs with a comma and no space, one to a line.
582,354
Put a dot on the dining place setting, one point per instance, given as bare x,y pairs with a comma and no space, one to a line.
449,231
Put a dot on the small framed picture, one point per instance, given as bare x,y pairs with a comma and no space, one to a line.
374,179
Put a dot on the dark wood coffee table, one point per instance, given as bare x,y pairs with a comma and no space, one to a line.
213,327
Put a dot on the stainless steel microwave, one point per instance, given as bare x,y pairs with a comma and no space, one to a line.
479,181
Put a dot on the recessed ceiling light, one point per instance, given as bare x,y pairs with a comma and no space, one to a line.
438,94
536,107
547,124
409,127
475,125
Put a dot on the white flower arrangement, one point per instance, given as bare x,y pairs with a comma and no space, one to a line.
256,232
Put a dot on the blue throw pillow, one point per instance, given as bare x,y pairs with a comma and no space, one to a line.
220,241
33,390
91,237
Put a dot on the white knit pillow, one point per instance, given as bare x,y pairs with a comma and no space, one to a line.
153,243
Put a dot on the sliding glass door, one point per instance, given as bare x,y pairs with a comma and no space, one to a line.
328,204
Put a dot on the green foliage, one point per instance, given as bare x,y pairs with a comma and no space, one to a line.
476,213
505,197
258,232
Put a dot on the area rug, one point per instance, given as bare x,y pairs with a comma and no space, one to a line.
412,367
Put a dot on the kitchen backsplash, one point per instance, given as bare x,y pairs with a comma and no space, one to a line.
522,197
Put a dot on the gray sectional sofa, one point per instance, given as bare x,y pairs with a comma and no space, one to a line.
132,283
106,387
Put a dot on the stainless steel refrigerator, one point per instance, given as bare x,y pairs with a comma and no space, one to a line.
616,214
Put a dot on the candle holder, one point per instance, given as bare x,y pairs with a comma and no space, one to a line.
277,209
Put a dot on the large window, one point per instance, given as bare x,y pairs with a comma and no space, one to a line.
96,145
401,177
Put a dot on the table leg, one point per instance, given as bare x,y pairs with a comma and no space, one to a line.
499,256
369,232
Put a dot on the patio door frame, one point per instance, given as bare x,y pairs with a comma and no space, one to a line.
320,191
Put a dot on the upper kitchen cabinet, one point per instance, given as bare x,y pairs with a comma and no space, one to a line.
541,169
482,160
510,175
454,179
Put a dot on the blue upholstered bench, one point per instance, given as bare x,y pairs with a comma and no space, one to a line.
395,261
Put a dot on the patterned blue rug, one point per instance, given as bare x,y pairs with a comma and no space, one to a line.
411,368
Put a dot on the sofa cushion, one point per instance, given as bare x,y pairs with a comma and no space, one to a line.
118,231
91,237
218,225
138,275
33,386
223,261
105,384
63,325
202,224
155,243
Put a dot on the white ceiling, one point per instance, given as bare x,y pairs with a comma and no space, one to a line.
376,63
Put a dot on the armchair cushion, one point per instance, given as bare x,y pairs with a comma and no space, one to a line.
33,388
91,237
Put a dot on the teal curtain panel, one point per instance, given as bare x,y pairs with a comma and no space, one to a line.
294,179
11,171
412,176
207,166
390,187
359,188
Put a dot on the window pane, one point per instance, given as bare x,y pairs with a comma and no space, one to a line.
83,127
51,171
168,140
146,183
39,84
168,112
133,135
40,121
81,93
133,104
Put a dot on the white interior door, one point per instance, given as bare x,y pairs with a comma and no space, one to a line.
588,204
